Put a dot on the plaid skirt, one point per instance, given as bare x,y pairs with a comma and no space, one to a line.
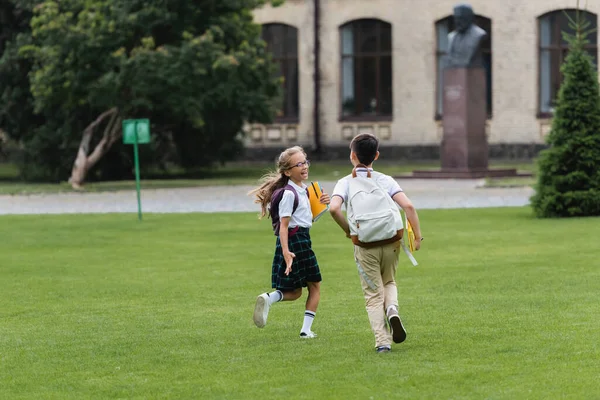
305,267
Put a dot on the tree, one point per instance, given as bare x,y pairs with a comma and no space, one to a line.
17,117
198,69
569,170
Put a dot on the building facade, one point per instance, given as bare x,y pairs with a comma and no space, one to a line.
380,68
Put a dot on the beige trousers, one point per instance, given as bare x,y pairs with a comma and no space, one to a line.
377,270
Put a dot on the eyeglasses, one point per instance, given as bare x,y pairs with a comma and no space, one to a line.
301,164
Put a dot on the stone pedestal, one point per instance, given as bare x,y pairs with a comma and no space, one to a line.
464,144
464,148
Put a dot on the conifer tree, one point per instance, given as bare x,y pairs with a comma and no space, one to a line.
569,170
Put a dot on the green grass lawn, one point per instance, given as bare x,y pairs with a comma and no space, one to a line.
231,174
502,306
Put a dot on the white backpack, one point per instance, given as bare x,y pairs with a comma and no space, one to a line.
373,216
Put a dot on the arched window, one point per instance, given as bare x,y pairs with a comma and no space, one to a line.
282,42
366,61
553,49
443,27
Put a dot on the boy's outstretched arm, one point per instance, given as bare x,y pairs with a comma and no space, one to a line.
411,213
335,209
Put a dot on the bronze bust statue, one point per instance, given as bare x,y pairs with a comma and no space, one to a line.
464,44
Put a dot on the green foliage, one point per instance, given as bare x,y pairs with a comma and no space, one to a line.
17,117
197,69
569,171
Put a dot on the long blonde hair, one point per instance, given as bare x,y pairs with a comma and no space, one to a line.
274,180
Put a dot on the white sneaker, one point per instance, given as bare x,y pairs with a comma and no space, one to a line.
261,310
308,335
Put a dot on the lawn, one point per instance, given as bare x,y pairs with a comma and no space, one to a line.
235,174
502,306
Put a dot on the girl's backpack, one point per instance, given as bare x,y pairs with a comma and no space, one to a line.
274,206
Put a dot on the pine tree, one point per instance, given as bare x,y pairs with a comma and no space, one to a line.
569,170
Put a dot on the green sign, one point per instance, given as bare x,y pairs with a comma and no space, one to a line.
131,127
136,131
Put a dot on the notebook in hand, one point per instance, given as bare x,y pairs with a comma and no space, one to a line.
314,194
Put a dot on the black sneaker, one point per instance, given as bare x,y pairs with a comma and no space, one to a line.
398,331
383,349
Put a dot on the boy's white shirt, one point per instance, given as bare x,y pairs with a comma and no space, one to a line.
386,182
303,215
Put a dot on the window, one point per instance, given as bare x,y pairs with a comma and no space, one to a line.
443,27
282,43
366,48
553,50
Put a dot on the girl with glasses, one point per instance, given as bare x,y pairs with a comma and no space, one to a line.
294,264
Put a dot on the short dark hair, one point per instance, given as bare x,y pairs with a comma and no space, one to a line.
366,147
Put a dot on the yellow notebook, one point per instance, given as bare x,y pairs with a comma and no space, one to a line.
409,238
314,194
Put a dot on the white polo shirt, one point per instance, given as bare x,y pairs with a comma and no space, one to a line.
303,215
386,182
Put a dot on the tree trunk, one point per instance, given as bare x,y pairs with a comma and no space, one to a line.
83,162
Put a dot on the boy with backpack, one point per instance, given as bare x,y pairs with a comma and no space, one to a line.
374,224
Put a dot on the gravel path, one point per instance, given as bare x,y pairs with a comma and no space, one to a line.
425,194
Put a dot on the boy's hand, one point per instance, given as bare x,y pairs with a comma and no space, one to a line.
417,243
325,199
288,256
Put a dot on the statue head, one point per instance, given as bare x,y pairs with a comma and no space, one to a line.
463,17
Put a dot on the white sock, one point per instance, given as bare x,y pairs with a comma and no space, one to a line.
392,308
309,317
275,296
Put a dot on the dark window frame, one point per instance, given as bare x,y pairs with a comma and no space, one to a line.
487,49
378,54
560,49
288,61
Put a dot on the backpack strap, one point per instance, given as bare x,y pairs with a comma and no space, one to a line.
296,200
276,199
282,191
361,166
294,208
